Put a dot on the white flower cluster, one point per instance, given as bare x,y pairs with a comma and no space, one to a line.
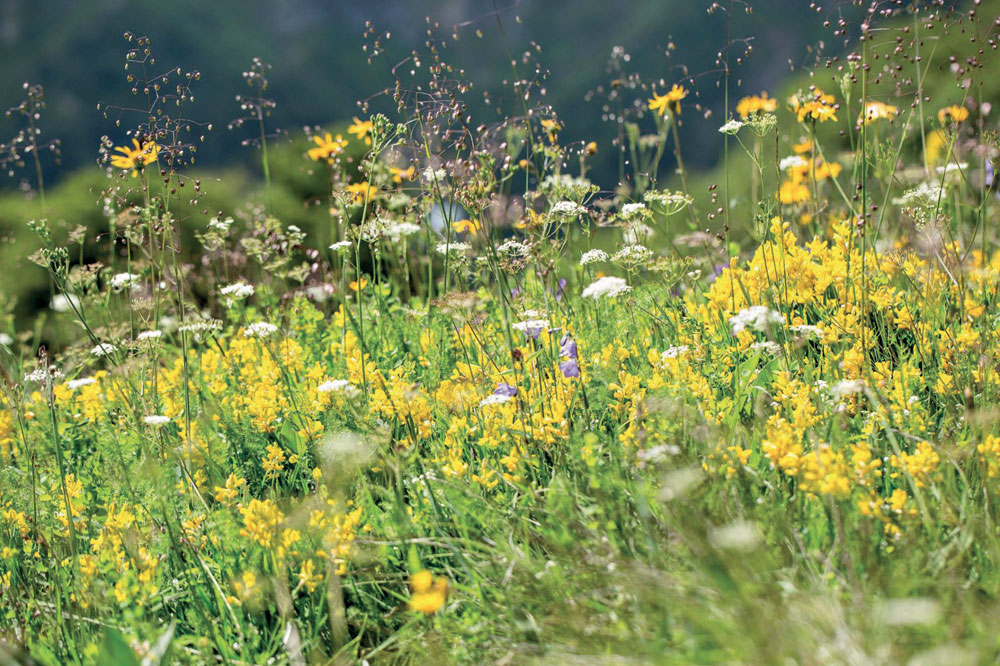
338,386
341,246
74,384
399,230
220,226
925,195
260,329
514,248
732,127
434,175
124,281
38,376
64,302
200,326
593,257
673,352
631,210
569,209
455,248
103,349
757,317
609,287
493,399
673,201
6,340
531,327
236,292
149,335
156,420
787,163
633,255
847,387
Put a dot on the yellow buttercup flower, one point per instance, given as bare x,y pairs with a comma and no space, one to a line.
356,286
815,105
669,101
428,592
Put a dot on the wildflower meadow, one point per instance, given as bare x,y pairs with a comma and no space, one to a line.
479,408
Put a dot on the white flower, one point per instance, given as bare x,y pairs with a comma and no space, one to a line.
149,335
630,210
341,246
237,291
531,327
39,376
398,230
64,302
336,385
103,349
74,384
515,248
569,209
198,327
732,127
456,248
221,226
6,340
787,163
434,175
124,281
767,347
808,331
156,420
493,399
593,256
606,286
673,352
847,387
757,317
259,329
673,201
633,255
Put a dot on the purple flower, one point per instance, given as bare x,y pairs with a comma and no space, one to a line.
505,389
570,368
567,346
559,289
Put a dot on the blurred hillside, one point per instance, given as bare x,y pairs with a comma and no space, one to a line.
320,71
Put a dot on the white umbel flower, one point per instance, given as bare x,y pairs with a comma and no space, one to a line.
260,329
74,384
757,317
606,287
593,257
149,335
569,209
156,420
103,349
124,281
732,127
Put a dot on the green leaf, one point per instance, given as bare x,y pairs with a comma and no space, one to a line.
114,650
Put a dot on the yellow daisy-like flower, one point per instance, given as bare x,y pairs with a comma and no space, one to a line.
362,192
669,101
362,129
327,147
816,105
399,175
356,286
462,226
133,158
953,114
429,592
877,111
756,104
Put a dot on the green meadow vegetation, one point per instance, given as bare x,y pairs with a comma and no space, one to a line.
413,388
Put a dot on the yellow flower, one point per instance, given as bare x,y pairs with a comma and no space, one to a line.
398,175
362,129
261,521
230,490
308,577
669,101
803,147
756,104
429,592
358,287
327,147
551,128
816,105
361,192
462,226
132,158
953,114
877,111
591,148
